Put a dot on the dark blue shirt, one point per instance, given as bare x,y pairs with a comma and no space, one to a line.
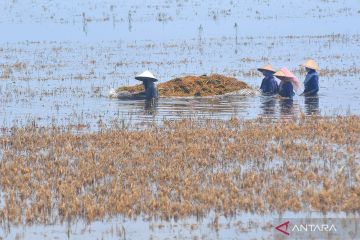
269,85
311,83
286,89
150,90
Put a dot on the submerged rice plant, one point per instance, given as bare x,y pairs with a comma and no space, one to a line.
180,168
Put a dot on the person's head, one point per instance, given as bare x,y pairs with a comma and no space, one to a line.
286,76
267,73
308,69
284,79
145,83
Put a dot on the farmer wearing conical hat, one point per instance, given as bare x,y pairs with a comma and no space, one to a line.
269,86
148,80
288,82
311,82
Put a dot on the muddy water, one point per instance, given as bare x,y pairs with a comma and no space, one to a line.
58,61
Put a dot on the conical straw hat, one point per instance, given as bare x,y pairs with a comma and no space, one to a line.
310,63
267,67
285,75
280,74
147,75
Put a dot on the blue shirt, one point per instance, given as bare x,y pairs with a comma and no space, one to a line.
286,89
269,85
150,90
311,83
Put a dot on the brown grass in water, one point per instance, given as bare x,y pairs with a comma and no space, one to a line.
211,85
180,168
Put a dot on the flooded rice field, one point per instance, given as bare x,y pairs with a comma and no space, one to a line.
70,81
164,173
102,168
48,78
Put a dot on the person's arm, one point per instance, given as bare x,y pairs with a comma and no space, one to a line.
310,92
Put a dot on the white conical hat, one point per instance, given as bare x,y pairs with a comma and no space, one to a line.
147,75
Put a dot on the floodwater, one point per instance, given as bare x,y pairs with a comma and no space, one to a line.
244,226
59,59
57,66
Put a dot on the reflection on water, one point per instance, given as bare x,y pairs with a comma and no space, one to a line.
276,107
150,106
286,106
213,107
174,108
268,105
312,105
